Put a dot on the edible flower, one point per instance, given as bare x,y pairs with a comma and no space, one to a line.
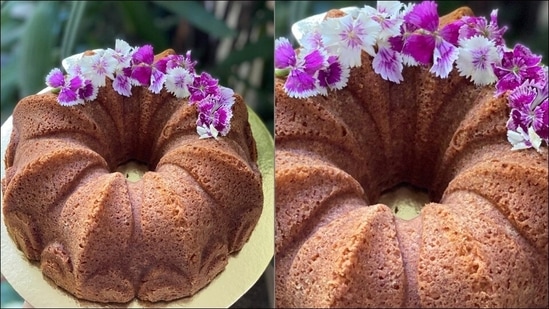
397,35
130,66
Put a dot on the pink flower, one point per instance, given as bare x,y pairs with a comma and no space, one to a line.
334,76
303,68
203,86
215,113
425,43
473,25
144,72
528,104
516,67
76,90
55,78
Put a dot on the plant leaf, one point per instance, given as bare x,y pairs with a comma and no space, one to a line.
263,47
199,17
72,28
140,22
37,41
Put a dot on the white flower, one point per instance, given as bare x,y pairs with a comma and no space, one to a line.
312,40
98,66
348,37
207,132
177,81
476,56
388,16
123,54
521,140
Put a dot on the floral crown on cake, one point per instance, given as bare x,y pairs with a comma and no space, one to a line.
398,35
130,66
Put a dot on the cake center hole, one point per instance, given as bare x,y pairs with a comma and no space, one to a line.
133,170
405,200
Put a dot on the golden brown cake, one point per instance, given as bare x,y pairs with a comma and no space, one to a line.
481,242
106,238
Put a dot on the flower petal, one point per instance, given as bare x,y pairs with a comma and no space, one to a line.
314,60
540,121
388,64
122,85
143,54
177,82
424,15
141,75
443,59
55,78
157,81
335,76
299,84
420,47
284,54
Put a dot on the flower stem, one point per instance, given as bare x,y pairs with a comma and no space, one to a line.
282,72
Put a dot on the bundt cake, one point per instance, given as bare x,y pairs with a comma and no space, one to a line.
350,126
161,234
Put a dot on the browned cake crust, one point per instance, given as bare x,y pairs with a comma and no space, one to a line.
484,243
105,239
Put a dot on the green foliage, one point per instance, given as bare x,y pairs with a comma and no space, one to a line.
37,35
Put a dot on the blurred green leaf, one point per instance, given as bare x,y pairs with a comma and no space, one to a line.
8,81
37,41
11,27
263,47
198,16
72,28
140,20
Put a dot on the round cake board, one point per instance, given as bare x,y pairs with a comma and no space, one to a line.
242,272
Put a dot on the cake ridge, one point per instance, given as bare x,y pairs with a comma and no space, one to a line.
361,90
530,175
409,245
403,109
431,126
318,210
103,127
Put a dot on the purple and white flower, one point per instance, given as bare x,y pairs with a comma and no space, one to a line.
396,35
348,37
127,66
302,78
203,85
474,25
215,113
517,66
177,82
477,55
